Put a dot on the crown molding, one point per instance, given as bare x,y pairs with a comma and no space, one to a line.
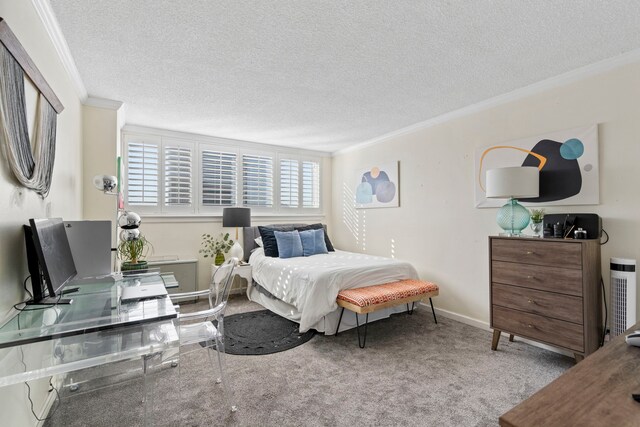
48,18
576,75
109,104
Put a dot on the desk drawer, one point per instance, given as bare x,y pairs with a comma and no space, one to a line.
557,254
553,279
563,307
539,328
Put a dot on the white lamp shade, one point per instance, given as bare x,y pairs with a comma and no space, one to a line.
513,182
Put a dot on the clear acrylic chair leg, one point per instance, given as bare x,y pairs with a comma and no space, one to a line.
228,393
211,345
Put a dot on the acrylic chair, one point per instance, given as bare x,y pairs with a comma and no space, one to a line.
206,328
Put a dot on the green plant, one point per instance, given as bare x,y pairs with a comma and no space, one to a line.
133,251
537,215
212,246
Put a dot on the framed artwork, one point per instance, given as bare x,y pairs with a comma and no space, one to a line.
377,186
567,160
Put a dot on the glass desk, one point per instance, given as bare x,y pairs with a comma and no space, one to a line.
95,329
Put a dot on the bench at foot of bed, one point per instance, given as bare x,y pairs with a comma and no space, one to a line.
372,298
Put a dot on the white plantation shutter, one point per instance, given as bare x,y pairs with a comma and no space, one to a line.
177,176
310,184
167,175
218,178
289,183
257,180
142,173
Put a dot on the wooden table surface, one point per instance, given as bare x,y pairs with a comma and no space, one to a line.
595,392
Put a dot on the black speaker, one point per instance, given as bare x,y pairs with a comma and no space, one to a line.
592,223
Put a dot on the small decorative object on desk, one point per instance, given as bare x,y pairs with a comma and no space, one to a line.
537,215
216,247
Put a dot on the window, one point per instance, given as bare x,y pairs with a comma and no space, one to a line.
289,183
218,178
142,174
257,181
177,175
292,173
310,184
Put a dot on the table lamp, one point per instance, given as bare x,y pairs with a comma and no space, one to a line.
236,217
513,183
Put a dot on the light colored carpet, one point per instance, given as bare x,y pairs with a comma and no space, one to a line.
412,373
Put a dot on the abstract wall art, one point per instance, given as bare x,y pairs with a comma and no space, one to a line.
377,186
567,160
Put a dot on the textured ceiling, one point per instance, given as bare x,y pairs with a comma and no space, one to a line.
325,75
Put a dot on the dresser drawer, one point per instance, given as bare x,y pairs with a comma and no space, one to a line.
540,328
553,279
562,307
566,255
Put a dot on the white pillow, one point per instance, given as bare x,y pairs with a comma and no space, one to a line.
259,241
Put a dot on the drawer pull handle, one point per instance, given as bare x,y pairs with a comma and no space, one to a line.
530,301
530,252
530,326
531,277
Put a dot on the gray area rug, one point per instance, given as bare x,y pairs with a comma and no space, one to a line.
261,332
412,373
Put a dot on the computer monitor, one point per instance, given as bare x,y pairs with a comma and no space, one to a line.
54,254
37,283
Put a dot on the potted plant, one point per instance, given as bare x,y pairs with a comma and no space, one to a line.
133,252
216,247
537,215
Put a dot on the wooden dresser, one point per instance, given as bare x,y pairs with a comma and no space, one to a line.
547,290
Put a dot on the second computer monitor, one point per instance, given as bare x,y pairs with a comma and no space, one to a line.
54,253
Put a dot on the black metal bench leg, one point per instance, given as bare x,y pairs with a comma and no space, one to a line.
366,323
412,307
433,311
339,321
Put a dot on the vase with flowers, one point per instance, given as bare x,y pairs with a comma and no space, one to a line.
216,247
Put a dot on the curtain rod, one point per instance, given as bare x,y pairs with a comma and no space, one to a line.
10,41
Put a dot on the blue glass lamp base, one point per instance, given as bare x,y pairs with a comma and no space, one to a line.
513,218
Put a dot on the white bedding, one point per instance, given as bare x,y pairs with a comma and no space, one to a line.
311,284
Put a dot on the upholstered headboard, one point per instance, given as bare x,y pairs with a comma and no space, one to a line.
250,234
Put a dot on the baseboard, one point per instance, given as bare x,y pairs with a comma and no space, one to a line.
460,318
51,399
486,327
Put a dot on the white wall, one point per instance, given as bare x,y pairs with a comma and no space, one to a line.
437,227
101,135
17,204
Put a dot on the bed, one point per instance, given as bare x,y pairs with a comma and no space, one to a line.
304,289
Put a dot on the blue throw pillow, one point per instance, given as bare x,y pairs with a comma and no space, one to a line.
289,243
318,226
313,242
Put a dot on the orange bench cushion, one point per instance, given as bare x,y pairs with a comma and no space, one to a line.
379,294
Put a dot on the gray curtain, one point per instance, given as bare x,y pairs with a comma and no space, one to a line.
32,168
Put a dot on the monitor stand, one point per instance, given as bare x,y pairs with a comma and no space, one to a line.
51,301
56,300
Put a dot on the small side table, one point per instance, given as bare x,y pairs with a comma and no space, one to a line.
242,271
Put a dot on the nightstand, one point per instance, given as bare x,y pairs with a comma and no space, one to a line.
242,278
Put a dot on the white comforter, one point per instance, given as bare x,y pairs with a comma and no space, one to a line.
311,284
